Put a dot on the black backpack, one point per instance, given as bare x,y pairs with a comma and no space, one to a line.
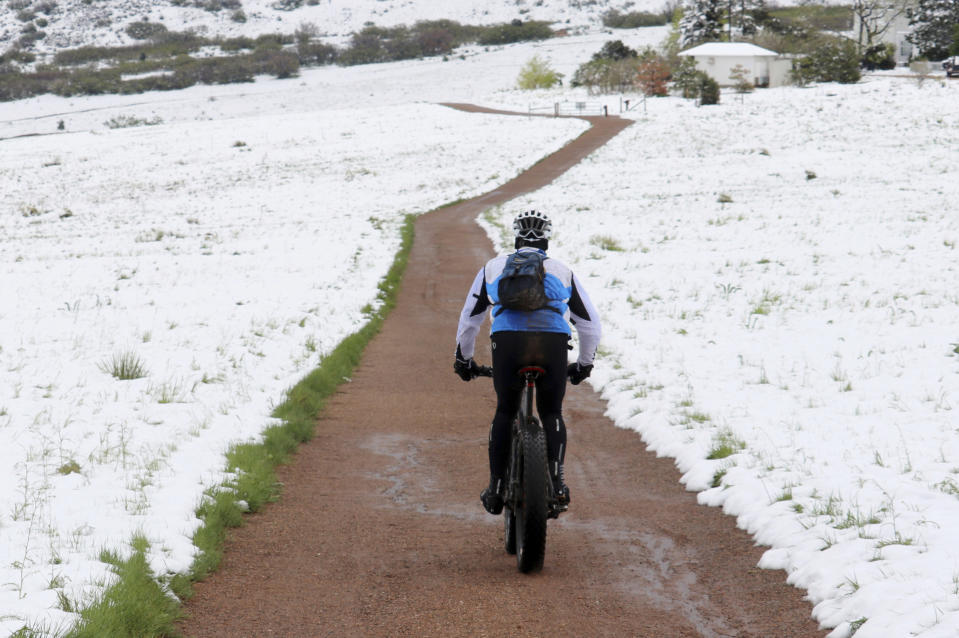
522,286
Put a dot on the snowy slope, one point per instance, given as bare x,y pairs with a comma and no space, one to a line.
77,22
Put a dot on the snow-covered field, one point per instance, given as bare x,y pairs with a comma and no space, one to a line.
223,252
776,273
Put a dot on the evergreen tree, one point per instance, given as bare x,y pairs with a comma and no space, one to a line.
701,21
686,78
934,23
615,50
708,90
742,17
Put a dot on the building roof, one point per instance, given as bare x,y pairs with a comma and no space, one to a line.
730,49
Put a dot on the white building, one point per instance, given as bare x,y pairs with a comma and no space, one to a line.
718,59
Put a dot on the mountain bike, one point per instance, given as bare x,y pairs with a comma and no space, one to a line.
529,499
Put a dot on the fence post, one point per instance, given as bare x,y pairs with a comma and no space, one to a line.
555,109
605,110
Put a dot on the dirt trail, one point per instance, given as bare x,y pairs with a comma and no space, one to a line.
380,531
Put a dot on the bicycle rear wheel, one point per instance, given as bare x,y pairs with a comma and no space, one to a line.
531,509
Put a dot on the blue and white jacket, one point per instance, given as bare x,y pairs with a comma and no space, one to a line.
566,295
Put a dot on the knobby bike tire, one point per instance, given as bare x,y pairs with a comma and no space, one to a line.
532,510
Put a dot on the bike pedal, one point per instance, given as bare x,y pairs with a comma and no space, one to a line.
556,510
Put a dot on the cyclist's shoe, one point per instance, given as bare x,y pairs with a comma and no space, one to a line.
492,496
561,492
559,488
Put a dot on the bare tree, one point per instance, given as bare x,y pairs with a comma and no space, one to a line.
875,17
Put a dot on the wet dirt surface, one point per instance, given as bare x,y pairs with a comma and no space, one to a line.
380,531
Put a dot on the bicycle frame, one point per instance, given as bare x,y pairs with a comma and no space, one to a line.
529,374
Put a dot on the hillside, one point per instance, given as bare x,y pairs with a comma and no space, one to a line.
72,23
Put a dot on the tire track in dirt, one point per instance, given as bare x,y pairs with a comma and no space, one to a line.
380,531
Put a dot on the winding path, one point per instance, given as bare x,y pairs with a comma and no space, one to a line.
380,531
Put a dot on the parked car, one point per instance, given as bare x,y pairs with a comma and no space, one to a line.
951,65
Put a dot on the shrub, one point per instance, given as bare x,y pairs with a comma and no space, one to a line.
634,19
163,44
82,55
803,71
305,32
316,53
708,89
435,40
425,38
606,76
17,86
273,39
537,74
445,31
235,44
280,64
515,31
15,54
615,50
652,75
30,35
86,83
145,30
740,77
612,68
879,56
130,121
833,60
366,47
227,70
209,5
400,45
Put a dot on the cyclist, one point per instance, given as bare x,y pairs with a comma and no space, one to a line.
523,338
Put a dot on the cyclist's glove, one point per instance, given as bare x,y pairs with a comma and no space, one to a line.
465,368
577,373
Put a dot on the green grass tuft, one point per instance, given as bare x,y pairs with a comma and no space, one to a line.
124,366
718,477
606,242
70,467
725,444
136,605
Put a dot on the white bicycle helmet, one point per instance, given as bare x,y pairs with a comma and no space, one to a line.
532,225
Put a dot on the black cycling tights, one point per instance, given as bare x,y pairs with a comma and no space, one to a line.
512,351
